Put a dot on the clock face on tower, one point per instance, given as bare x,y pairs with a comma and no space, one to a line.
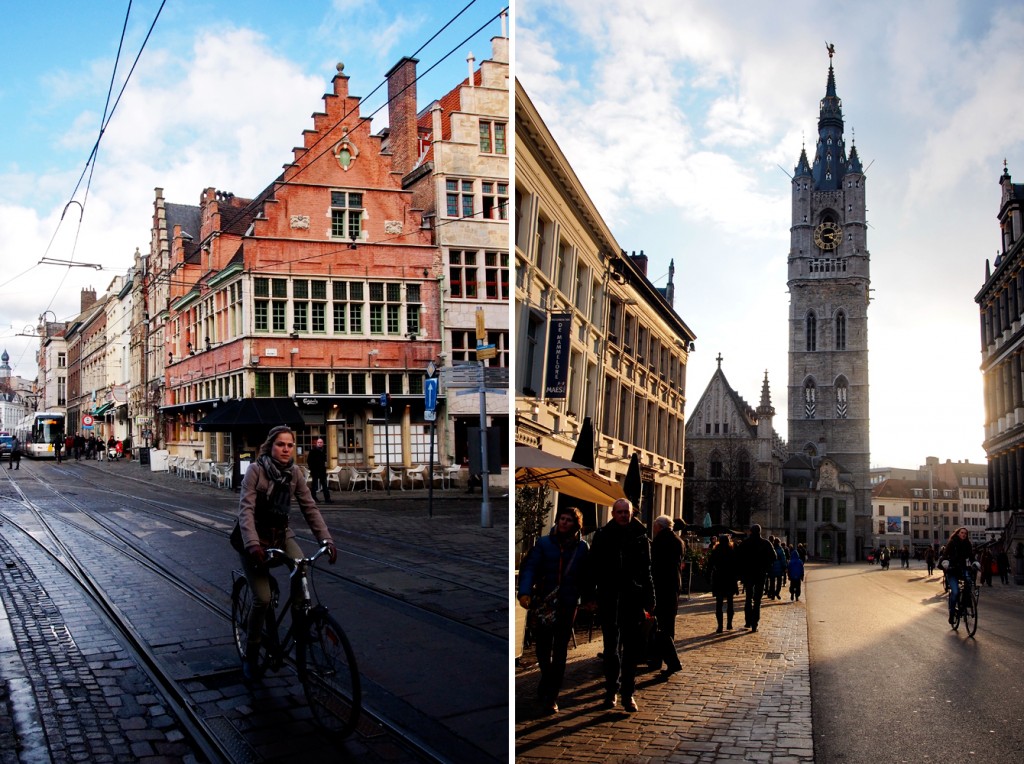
828,235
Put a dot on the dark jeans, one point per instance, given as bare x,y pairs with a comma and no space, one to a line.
794,587
623,648
665,610
725,599
320,483
754,591
552,647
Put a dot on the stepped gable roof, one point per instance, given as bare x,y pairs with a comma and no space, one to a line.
450,102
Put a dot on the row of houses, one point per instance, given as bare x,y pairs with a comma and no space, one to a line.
374,260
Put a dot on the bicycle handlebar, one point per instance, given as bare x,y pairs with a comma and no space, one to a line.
275,553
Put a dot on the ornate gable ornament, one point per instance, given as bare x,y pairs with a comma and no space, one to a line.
345,151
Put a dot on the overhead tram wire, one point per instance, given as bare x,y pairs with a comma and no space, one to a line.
108,114
253,204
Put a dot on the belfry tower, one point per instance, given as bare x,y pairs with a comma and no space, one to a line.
829,279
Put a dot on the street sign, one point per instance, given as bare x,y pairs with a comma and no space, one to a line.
483,352
384,397
429,415
430,393
87,421
481,330
431,368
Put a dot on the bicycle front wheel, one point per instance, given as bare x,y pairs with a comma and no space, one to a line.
241,610
971,612
330,677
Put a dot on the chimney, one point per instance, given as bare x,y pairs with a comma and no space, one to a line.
402,115
640,261
88,298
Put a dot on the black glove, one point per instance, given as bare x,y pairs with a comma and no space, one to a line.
257,555
332,552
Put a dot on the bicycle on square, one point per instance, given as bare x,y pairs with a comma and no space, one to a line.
323,656
965,609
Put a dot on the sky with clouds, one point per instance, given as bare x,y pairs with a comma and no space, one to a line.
685,118
219,96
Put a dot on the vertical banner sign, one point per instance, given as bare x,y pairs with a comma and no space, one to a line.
558,355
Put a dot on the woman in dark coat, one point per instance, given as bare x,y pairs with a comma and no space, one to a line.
554,563
666,562
724,574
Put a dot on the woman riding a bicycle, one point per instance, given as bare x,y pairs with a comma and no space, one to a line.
268,488
956,558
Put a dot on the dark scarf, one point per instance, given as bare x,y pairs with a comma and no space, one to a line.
280,475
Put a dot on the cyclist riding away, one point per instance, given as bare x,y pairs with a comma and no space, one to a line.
268,488
957,556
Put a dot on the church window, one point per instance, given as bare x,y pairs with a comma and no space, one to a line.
707,428
841,510
716,466
811,330
801,509
828,175
826,510
842,393
841,330
810,399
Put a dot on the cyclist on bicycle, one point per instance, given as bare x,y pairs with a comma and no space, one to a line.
957,556
268,488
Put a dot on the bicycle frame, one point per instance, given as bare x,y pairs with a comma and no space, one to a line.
299,603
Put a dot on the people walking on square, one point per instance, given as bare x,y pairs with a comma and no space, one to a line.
79,446
316,460
552,571
778,573
796,575
724,575
905,558
58,446
755,557
986,561
1003,563
929,560
14,457
621,565
270,486
666,564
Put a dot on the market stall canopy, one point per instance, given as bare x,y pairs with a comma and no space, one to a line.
235,415
536,467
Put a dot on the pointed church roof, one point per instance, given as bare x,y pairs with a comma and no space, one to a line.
854,165
803,166
830,152
719,388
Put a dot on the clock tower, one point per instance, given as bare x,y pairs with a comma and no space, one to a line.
829,283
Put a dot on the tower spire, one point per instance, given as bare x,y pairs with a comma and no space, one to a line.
766,408
830,151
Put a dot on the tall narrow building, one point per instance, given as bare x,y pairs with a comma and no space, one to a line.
828,324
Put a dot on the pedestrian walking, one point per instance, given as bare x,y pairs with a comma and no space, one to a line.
269,487
549,587
127,447
724,575
987,563
796,576
1003,564
621,567
755,558
316,460
14,457
929,560
79,446
58,446
666,564
778,571
905,558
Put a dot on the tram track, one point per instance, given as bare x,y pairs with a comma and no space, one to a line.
105,528
219,524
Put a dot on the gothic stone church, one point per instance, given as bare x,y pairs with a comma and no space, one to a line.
825,483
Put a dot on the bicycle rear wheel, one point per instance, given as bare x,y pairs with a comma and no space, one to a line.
970,607
329,675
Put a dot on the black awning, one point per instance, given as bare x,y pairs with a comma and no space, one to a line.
184,408
251,413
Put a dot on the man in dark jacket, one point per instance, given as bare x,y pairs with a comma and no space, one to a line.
755,556
317,463
666,562
620,563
